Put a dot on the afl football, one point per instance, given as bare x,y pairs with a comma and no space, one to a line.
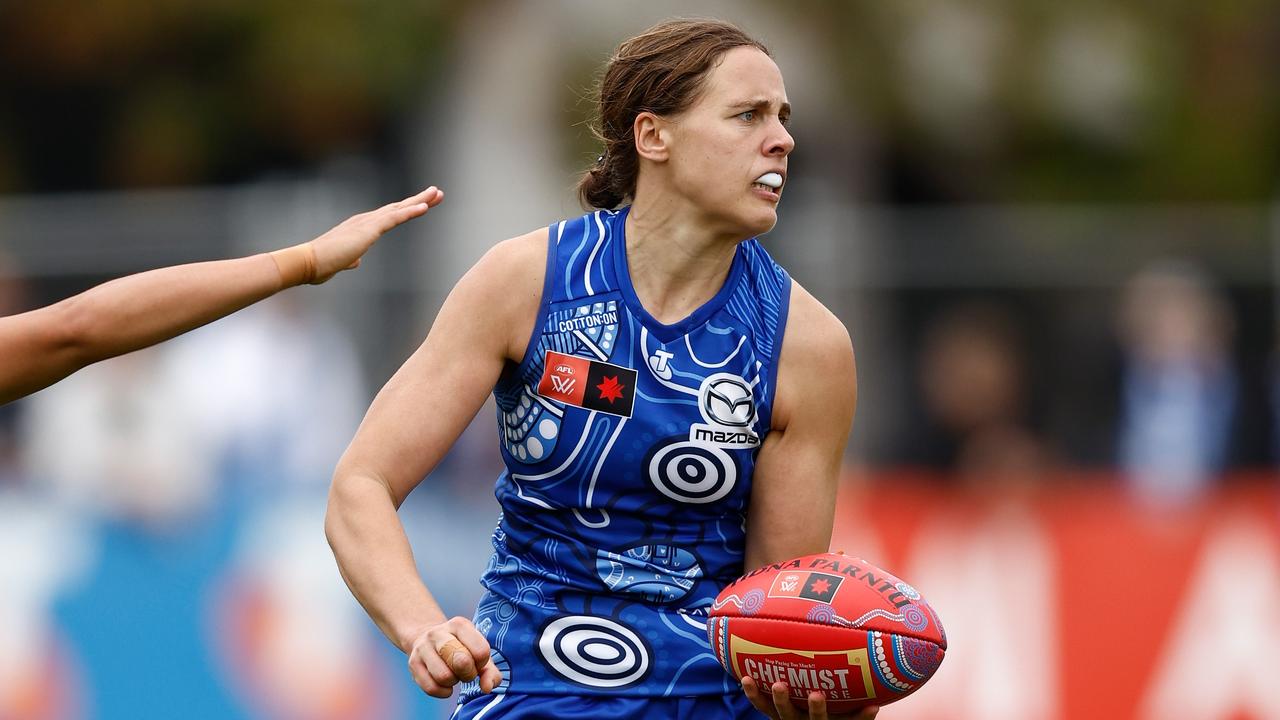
831,623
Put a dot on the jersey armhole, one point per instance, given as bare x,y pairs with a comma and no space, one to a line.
784,309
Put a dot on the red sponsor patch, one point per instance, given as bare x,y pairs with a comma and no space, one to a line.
587,383
840,675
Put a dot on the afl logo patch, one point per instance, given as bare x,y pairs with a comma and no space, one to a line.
589,384
726,400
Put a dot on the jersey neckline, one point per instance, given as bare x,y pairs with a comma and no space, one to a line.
663,332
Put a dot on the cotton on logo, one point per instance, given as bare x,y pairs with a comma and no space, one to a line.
563,384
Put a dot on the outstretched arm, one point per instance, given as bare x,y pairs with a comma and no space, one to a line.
40,347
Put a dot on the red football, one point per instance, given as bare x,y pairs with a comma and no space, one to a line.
831,623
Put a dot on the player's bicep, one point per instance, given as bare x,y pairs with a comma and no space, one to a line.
430,400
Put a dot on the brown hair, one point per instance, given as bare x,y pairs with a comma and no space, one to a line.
661,71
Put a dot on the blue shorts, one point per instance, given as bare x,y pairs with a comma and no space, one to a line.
594,707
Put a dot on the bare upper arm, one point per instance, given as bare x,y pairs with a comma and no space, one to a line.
485,323
798,468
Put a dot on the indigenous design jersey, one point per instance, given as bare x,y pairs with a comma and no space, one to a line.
629,448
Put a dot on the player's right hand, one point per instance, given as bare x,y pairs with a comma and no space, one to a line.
777,704
451,652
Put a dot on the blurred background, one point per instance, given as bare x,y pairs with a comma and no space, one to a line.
1053,230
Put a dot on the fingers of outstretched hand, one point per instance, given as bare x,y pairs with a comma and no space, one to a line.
430,196
392,214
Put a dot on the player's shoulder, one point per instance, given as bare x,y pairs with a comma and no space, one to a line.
813,331
519,254
510,266
817,375
507,281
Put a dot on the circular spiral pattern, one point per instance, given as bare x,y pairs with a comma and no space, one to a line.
910,592
594,651
752,601
914,618
921,656
691,473
821,613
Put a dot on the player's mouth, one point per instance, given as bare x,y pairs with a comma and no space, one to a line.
769,184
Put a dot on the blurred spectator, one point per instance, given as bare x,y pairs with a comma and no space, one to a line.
268,397
120,440
44,553
973,377
1179,384
278,390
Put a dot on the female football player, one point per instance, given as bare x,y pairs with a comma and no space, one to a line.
672,408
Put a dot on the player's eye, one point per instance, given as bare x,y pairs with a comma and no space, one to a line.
748,116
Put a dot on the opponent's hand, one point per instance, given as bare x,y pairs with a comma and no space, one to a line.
451,652
777,704
342,247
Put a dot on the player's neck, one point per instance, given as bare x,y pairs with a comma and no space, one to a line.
676,264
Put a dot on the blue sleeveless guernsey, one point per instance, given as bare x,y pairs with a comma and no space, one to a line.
629,448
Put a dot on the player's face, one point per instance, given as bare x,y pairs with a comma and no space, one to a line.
730,148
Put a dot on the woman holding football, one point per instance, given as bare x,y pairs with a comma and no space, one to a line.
672,409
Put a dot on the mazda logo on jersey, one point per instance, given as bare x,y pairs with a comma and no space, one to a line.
587,383
727,401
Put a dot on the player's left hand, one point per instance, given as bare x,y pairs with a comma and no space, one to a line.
777,705
341,248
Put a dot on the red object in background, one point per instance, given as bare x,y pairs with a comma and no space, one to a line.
1066,598
49,688
827,622
269,678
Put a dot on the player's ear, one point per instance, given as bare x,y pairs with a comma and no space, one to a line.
652,135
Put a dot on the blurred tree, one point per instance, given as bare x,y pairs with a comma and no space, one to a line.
132,93
969,101
1064,102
